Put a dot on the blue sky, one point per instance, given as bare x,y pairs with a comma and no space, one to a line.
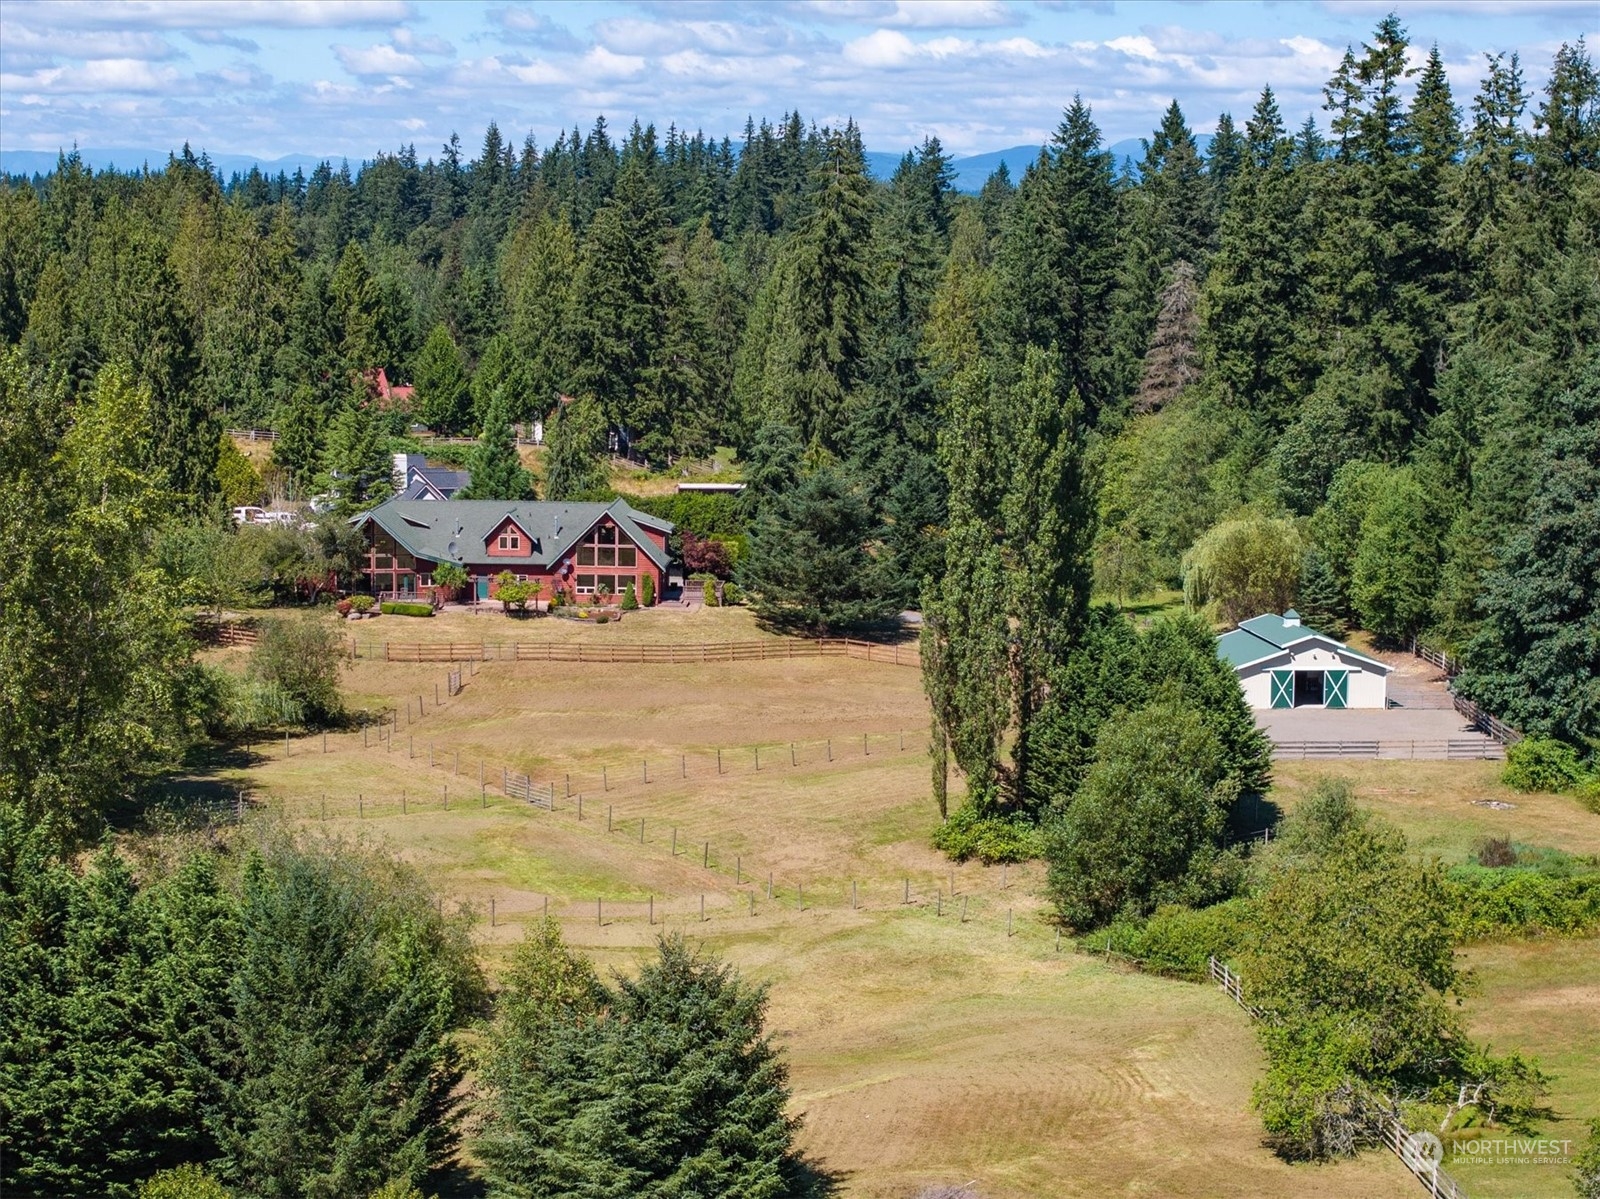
275,77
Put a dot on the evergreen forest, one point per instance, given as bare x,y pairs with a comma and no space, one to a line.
1346,360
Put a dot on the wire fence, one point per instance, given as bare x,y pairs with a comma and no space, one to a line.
1417,1152
734,887
644,653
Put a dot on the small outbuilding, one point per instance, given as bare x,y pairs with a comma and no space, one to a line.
1283,664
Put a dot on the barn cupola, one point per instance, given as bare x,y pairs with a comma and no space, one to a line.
1291,619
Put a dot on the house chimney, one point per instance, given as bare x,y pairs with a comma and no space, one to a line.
1291,619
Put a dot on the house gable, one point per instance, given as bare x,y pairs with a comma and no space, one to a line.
508,539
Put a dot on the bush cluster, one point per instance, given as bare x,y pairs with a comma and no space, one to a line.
405,608
991,839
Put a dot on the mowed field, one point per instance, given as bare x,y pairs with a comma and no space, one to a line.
936,1033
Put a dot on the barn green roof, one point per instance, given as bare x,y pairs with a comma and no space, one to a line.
458,530
1268,635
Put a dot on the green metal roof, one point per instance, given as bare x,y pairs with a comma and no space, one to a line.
458,530
1269,635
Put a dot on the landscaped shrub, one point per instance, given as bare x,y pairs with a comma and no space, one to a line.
647,591
603,618
630,600
1542,764
343,607
990,839
360,603
1178,941
1516,901
731,595
405,608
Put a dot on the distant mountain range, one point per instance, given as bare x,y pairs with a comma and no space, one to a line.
970,172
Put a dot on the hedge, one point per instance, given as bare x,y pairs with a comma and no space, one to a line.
1515,902
405,608
1174,940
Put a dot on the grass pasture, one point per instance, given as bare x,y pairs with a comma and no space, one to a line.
925,1048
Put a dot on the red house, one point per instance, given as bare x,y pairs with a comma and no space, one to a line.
582,550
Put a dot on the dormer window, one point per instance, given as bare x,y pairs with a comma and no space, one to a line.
510,541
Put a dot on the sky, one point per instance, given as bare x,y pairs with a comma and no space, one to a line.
346,78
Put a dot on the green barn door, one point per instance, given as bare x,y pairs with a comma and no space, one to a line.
1335,688
1283,688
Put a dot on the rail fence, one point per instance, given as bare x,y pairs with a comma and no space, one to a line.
252,434
1454,750
1412,1150
1486,723
643,653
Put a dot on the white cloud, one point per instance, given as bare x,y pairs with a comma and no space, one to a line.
405,38
380,59
228,14
881,48
952,14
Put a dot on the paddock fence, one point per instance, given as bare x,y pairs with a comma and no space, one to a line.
252,434
1452,750
1485,722
1396,1137
730,886
644,653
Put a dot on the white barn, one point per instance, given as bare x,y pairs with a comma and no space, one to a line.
1283,664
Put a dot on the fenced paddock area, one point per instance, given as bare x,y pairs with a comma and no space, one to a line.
924,1047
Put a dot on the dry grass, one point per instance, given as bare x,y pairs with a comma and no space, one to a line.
492,625
926,1050
1433,803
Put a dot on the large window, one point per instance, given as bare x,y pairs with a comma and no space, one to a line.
602,549
588,584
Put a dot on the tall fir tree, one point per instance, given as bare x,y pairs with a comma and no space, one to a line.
497,472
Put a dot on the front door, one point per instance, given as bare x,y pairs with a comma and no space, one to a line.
483,587
1336,688
1283,688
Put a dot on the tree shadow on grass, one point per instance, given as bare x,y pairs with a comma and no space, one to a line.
810,1179
203,787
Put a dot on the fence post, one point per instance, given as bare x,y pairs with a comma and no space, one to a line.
286,743
800,897
324,740
608,818
683,766
646,765
830,749
580,805
651,910
447,797
491,911
674,842
705,856
758,751
791,754
864,751
752,903
599,920
963,909
361,805
1008,922
719,759
402,801
852,895
938,903
769,884
738,870
324,805
907,898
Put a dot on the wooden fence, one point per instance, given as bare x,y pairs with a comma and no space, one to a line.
640,654
1484,722
520,786
252,434
1455,750
1398,1139
1491,726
